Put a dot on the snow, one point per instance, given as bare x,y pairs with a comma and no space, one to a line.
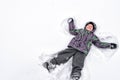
30,28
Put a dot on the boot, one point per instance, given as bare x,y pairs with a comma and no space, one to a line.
75,76
49,66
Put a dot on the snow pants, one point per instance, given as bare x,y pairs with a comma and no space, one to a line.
77,61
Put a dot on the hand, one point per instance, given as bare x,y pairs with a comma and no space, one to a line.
113,46
70,20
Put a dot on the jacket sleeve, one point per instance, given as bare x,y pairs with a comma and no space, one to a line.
72,29
100,44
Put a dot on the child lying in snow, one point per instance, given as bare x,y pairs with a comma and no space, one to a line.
78,48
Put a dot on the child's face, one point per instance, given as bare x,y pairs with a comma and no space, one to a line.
89,27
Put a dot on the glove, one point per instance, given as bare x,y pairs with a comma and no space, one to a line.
113,45
70,20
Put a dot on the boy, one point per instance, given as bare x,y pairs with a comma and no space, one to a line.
78,48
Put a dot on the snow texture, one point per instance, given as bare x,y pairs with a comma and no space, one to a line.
33,28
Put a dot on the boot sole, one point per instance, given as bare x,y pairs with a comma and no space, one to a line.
45,65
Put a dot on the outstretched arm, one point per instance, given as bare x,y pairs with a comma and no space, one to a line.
72,29
100,44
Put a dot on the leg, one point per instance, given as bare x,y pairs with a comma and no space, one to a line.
63,56
77,64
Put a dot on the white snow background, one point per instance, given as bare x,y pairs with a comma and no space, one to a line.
30,28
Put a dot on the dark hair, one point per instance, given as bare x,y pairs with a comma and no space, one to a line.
94,25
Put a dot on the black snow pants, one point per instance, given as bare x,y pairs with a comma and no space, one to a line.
65,55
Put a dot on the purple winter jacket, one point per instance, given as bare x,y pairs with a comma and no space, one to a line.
84,39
